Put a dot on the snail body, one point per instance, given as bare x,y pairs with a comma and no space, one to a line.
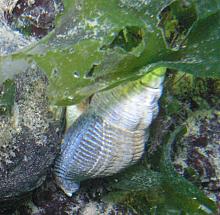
111,134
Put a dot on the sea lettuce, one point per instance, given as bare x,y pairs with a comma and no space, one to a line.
99,44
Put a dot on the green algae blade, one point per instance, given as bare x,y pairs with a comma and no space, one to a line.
99,44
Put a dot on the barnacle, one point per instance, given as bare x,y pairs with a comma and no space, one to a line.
111,134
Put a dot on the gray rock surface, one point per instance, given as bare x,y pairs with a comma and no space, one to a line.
10,40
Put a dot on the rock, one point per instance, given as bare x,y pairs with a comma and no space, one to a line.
196,156
29,137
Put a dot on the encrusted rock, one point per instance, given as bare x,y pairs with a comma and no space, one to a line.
197,154
29,136
10,40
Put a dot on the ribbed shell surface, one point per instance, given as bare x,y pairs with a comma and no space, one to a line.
109,136
98,149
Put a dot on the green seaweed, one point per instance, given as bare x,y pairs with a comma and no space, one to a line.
119,40
7,95
176,20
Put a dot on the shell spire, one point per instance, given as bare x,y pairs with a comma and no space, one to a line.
111,134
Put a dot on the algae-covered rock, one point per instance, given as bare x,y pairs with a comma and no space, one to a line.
197,153
30,129
29,136
34,17
10,40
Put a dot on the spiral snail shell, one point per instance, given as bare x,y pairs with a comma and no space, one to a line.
111,134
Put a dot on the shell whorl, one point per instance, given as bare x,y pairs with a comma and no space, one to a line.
110,135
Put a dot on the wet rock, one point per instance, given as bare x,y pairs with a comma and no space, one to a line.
34,17
10,40
197,153
29,137
49,199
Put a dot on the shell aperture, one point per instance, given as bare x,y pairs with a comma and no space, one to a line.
111,134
